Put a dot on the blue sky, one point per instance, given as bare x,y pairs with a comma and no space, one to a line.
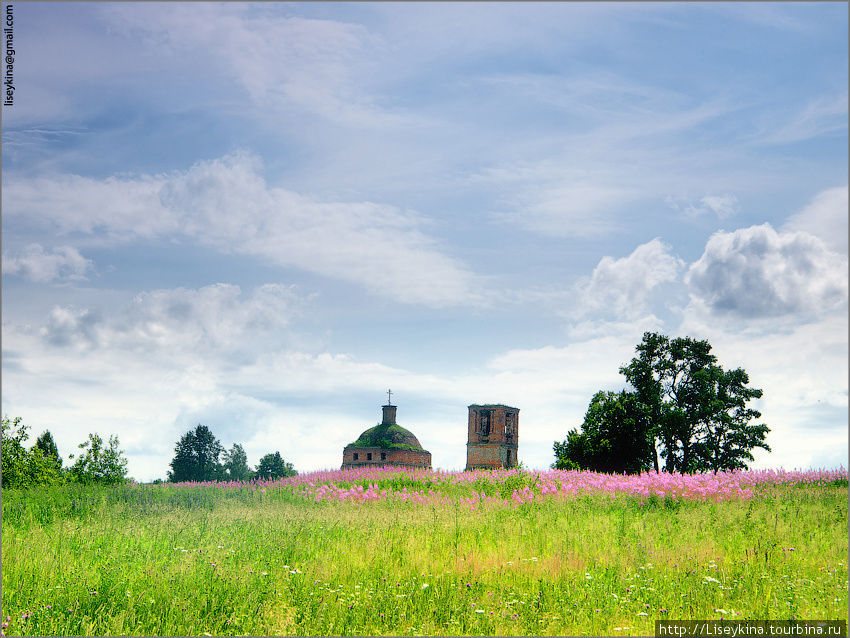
259,217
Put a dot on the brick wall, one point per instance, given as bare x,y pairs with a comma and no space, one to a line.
402,458
490,455
499,447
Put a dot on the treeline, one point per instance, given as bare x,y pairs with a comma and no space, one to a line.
200,456
97,461
682,406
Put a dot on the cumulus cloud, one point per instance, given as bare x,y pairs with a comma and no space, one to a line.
71,326
756,272
213,318
825,217
622,287
40,266
226,204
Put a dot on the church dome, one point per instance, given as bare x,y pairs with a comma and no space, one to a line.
386,444
388,436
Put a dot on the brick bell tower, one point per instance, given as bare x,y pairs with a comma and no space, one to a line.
493,436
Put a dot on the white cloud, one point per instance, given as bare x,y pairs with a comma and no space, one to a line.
68,326
319,67
824,217
723,206
756,272
622,287
226,204
213,319
33,263
579,208
117,208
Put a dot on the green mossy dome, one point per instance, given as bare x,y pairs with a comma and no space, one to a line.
388,436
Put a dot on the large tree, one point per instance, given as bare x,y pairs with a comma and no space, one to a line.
697,409
272,466
683,406
196,457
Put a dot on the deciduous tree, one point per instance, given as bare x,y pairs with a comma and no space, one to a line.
615,437
196,457
98,463
48,448
22,467
236,464
684,407
272,466
697,408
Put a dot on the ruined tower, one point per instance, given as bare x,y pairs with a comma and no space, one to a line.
493,436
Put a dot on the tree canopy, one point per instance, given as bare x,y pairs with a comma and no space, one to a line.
98,463
236,464
682,402
615,437
196,457
42,465
272,466
48,448
22,467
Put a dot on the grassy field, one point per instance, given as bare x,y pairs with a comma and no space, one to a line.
435,554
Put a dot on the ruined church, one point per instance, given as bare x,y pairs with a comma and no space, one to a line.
386,444
492,441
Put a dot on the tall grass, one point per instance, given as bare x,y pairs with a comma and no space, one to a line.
274,559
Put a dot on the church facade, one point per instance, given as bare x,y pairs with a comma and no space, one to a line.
386,444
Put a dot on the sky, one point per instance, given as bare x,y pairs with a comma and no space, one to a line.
261,217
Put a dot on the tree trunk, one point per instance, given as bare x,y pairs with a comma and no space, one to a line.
654,456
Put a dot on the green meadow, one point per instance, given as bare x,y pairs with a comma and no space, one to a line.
176,560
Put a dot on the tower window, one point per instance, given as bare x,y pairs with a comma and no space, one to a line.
484,423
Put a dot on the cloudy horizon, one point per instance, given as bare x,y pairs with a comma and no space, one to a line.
260,217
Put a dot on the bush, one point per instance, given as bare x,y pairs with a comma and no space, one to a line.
21,467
